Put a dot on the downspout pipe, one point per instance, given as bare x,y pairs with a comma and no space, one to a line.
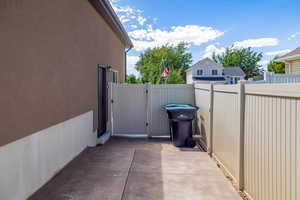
126,52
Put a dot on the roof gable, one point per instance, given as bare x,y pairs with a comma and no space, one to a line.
206,63
290,55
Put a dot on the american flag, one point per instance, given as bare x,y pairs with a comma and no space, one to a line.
165,72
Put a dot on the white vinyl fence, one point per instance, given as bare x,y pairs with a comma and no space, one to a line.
136,110
226,127
272,141
220,108
255,136
204,100
129,108
271,77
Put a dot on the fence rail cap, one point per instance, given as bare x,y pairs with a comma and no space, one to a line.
291,90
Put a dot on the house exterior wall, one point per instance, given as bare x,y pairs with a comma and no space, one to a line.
292,66
49,55
189,77
287,68
295,67
28,163
207,70
233,79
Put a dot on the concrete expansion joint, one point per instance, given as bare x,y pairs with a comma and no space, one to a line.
129,171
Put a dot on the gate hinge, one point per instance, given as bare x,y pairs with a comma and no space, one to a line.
147,124
147,91
112,101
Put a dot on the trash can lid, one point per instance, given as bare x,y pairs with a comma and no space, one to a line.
179,106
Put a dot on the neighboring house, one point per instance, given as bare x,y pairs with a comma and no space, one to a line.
233,74
207,70
53,75
292,61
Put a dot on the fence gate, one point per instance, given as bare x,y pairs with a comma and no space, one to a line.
137,109
129,109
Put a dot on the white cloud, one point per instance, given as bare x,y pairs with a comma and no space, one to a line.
192,34
210,49
294,35
140,34
275,53
260,42
133,26
125,9
263,62
124,18
128,15
141,20
131,61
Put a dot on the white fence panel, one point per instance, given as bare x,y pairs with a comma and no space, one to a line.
137,109
272,141
256,137
281,78
203,101
160,95
226,127
129,109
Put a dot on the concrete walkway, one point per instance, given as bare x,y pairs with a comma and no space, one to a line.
134,169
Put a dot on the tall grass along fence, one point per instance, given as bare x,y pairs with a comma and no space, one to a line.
253,130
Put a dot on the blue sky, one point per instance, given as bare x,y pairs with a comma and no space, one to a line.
269,26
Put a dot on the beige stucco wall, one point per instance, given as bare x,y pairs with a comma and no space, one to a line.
48,66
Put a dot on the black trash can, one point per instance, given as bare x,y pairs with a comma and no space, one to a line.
181,117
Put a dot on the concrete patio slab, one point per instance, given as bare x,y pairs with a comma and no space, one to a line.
156,144
147,186
173,162
125,169
83,186
103,160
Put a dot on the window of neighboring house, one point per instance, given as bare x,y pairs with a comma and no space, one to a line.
114,77
199,72
214,72
237,79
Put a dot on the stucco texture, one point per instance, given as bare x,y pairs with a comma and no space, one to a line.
48,63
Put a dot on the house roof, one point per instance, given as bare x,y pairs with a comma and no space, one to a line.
105,9
205,62
233,71
289,56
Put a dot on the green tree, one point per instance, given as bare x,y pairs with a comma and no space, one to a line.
245,58
131,79
276,67
152,62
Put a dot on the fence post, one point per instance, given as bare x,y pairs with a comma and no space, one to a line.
148,109
242,105
211,119
111,107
